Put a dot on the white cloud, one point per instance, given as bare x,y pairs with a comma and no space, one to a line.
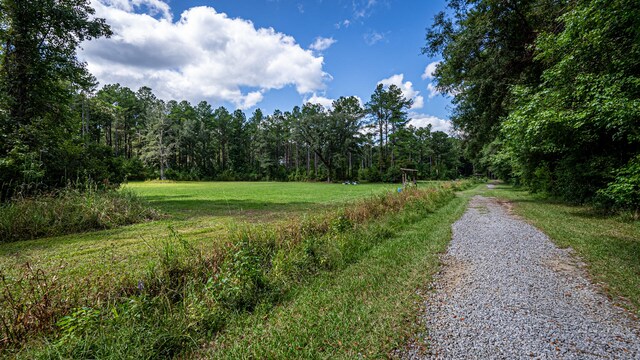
345,23
315,99
437,124
428,74
429,70
432,90
418,102
205,55
251,99
321,44
363,8
154,7
373,37
407,89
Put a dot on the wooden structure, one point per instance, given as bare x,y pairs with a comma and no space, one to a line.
409,177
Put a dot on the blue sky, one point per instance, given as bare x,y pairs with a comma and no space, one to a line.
272,54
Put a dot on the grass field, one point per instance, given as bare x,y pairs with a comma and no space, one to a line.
365,308
246,200
198,211
82,263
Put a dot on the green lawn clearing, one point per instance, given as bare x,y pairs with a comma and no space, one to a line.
246,200
198,211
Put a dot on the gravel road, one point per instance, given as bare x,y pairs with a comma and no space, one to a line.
507,292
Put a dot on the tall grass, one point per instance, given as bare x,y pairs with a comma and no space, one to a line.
70,210
188,295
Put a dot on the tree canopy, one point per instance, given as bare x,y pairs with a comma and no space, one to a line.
40,73
546,93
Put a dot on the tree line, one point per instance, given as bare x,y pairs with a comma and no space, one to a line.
56,127
141,137
546,92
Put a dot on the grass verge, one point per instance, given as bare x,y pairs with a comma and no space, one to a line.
610,245
188,295
364,311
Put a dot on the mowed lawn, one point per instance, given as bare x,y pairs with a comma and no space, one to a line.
246,200
200,212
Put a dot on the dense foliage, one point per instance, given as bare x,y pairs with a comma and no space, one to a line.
547,92
175,140
71,210
39,77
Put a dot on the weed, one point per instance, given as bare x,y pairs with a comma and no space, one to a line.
30,304
70,210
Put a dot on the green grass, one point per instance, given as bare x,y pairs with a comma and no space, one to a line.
200,212
365,307
96,264
246,200
365,310
609,245
191,295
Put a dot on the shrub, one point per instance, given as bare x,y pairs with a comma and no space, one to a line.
135,169
70,210
392,175
624,192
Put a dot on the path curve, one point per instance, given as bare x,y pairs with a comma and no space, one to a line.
507,292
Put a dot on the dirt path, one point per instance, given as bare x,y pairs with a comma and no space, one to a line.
507,292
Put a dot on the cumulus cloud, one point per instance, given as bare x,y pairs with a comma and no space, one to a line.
153,7
203,55
407,89
429,74
429,70
321,44
424,120
324,101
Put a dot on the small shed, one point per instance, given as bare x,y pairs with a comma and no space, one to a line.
409,176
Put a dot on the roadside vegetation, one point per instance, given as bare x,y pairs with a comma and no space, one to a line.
186,294
609,245
364,311
70,210
201,213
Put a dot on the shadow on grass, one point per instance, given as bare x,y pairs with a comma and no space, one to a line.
183,208
179,210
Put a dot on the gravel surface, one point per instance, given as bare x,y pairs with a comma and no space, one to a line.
507,292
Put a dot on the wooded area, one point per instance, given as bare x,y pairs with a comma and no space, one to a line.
58,127
547,92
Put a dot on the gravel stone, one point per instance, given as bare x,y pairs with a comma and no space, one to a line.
507,292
